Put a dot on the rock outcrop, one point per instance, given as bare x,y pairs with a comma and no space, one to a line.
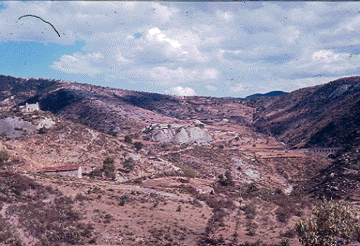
177,134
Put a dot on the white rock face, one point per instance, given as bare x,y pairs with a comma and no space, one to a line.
46,122
178,134
162,135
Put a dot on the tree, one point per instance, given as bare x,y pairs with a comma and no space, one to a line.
331,223
4,156
109,167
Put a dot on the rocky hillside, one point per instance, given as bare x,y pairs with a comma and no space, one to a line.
187,170
319,116
324,115
115,111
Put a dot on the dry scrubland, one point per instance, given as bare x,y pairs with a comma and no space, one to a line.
244,185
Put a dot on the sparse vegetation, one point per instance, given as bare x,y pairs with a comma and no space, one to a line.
52,222
129,164
169,194
331,223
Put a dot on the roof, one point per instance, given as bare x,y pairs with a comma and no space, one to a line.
60,168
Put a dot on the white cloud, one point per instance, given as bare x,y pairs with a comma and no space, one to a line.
165,76
174,45
211,87
326,56
80,64
238,88
227,16
162,12
180,91
184,43
327,63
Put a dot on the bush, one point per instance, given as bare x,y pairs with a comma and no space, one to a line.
42,130
97,172
124,199
128,139
189,173
331,223
227,180
4,156
129,164
250,211
138,145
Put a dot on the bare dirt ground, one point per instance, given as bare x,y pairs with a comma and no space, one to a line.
157,202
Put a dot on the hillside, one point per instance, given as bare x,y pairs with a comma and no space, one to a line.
187,170
322,116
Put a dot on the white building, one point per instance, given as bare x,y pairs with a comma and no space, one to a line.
29,108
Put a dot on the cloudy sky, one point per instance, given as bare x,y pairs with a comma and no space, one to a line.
200,48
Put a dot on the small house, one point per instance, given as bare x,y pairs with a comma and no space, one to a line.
29,108
69,170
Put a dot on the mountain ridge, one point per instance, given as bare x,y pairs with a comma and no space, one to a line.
268,94
308,117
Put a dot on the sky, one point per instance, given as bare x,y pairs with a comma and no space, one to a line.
220,49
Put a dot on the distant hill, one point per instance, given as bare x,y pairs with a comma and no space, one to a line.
269,94
323,115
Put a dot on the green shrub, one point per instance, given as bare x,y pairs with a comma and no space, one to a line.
331,223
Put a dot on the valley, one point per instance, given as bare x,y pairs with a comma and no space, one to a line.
167,170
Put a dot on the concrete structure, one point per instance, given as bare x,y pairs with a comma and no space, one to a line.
28,108
69,170
326,152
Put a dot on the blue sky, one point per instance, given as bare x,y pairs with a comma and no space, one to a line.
199,48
